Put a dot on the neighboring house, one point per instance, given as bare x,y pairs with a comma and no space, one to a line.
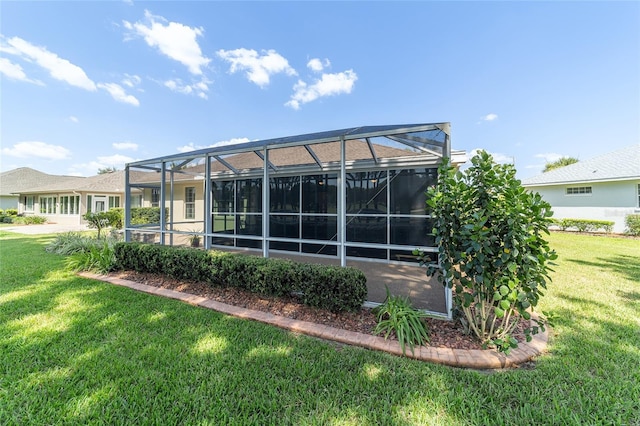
64,199
602,188
16,180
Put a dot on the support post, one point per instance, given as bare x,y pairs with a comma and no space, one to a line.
342,203
265,203
127,205
207,202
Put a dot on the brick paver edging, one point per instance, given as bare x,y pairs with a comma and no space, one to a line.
466,358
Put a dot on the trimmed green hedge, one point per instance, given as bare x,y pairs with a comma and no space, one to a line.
584,225
633,224
327,287
139,216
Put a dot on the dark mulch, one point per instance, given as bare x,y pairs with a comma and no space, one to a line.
443,334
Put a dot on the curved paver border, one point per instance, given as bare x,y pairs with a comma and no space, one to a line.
464,358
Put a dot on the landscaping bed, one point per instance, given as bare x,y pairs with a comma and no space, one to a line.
443,334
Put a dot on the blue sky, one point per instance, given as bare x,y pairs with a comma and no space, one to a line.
87,85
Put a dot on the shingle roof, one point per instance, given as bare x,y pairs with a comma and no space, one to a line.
622,164
20,179
107,182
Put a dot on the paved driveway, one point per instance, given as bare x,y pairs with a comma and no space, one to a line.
49,228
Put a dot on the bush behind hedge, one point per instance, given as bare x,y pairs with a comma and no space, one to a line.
584,225
633,224
326,287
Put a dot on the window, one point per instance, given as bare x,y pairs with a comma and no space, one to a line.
155,197
136,200
639,195
114,201
48,205
70,204
190,202
579,190
29,201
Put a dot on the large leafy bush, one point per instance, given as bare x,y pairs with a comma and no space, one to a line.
490,232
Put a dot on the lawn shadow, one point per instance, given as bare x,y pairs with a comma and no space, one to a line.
628,266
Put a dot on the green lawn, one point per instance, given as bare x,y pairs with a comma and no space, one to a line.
78,351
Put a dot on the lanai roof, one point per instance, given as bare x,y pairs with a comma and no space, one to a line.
426,138
623,164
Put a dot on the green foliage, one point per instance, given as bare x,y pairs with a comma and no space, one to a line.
98,258
397,315
105,170
584,225
633,224
564,161
489,232
327,287
5,219
101,220
10,212
85,253
26,220
146,215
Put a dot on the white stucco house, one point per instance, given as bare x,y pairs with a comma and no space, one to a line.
602,188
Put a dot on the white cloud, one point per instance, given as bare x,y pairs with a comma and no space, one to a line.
131,81
116,160
489,117
30,149
15,72
192,147
117,92
550,157
497,156
317,65
199,88
74,119
174,40
259,68
91,168
121,146
327,85
58,68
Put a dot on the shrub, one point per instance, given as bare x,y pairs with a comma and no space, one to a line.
584,225
101,220
84,252
11,212
5,219
72,242
98,258
632,221
396,315
146,215
489,232
327,287
29,220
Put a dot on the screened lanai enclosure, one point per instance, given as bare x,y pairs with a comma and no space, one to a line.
350,197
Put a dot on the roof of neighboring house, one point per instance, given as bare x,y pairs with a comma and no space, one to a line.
623,164
15,181
106,182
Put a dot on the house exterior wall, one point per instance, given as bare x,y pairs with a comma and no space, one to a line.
8,202
56,214
611,201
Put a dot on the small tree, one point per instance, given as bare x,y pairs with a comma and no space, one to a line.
489,231
101,220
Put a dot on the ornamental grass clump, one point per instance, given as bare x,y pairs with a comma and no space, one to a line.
492,251
397,315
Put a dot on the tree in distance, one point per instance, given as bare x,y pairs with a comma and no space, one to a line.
564,161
